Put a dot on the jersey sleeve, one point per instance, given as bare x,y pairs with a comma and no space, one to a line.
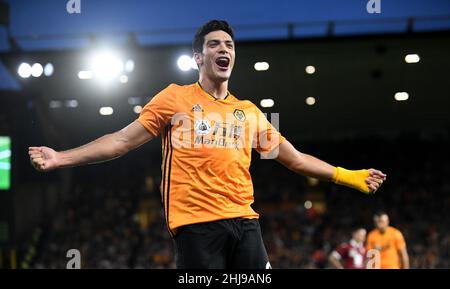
370,242
266,138
342,250
158,112
400,243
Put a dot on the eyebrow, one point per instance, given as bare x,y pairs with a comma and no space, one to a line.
218,41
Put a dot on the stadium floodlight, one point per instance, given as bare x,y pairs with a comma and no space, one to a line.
48,69
37,70
106,110
267,102
310,69
55,104
24,70
310,100
137,109
186,63
129,65
134,100
106,65
412,58
308,205
261,66
401,96
72,103
123,78
85,74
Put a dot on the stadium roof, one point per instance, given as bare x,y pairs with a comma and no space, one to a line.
46,24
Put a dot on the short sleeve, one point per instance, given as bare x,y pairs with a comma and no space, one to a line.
158,112
342,251
370,242
266,138
399,241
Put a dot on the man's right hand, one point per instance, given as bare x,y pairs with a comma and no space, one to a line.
43,159
105,148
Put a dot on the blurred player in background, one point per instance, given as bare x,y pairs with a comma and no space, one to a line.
389,242
351,255
207,138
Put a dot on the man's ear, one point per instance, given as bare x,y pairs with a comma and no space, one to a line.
198,58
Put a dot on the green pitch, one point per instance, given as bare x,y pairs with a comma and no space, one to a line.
5,163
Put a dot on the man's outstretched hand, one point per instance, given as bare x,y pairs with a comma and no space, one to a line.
366,181
375,180
43,159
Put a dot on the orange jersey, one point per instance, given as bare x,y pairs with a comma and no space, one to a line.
206,151
388,244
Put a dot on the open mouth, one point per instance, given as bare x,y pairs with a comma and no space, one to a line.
223,62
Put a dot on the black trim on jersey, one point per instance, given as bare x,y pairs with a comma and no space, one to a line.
165,156
168,182
215,98
166,174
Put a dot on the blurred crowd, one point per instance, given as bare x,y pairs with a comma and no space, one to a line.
302,220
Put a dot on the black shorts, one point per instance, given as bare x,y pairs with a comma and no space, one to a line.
224,244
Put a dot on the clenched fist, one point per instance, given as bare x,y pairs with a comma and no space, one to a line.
43,159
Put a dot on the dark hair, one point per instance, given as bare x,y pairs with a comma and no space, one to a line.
380,213
210,26
357,229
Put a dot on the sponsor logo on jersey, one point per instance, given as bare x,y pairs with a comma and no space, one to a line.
202,127
239,114
197,108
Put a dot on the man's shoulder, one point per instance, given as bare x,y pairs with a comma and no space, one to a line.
394,230
344,246
372,233
244,104
177,88
174,91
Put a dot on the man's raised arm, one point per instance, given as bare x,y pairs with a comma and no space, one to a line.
107,147
367,181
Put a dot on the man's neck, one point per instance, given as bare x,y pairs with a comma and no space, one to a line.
218,90
382,231
355,243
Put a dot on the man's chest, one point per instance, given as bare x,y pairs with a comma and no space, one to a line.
213,125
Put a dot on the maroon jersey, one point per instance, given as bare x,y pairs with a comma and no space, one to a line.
352,255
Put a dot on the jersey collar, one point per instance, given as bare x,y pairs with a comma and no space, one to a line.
355,244
211,96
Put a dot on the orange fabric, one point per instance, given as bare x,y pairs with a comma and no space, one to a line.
206,151
389,244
